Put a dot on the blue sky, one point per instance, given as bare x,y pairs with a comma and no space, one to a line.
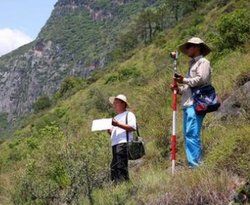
22,19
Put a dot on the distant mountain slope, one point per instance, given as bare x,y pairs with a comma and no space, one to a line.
75,41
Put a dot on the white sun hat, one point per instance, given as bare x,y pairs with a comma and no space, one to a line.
195,40
120,97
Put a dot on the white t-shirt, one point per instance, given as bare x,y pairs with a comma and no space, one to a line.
119,135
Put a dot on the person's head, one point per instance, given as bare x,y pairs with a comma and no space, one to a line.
194,47
120,103
119,106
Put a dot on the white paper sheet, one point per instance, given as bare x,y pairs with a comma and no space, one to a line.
101,124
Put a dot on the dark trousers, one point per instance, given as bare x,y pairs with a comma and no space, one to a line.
119,164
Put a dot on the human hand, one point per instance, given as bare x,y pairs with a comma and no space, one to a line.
174,87
178,78
109,131
115,122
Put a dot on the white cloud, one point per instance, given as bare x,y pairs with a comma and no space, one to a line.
11,39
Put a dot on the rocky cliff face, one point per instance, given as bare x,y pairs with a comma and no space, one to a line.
27,76
75,41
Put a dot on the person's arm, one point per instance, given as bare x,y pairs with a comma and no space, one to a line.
180,90
109,131
202,75
122,125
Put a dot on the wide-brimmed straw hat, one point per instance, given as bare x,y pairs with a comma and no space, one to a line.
197,41
120,97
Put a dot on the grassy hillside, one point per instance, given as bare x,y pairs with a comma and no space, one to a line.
55,159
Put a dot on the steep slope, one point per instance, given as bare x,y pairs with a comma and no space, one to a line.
55,159
75,41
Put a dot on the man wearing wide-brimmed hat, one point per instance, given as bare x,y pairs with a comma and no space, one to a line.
198,75
124,123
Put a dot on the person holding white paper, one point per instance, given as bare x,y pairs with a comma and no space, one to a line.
123,125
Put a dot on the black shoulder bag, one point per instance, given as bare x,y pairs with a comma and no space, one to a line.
136,149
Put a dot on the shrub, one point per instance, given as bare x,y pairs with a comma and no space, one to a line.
111,79
45,173
125,74
69,86
127,41
59,171
233,29
3,121
42,103
60,111
99,100
128,73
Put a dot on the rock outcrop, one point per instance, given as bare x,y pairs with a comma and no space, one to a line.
236,105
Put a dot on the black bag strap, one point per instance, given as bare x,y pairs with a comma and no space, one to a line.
137,129
126,124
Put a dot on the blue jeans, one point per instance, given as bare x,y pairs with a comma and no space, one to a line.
192,124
